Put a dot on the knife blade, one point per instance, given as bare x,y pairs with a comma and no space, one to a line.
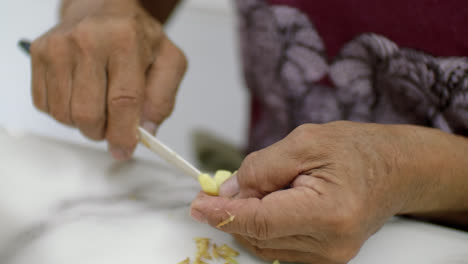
167,154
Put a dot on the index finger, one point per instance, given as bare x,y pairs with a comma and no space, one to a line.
124,101
278,214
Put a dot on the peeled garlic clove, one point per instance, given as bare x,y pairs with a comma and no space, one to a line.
208,184
221,176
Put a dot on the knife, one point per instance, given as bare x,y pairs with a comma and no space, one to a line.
150,141
167,154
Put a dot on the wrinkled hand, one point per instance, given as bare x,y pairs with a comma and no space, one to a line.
105,69
314,197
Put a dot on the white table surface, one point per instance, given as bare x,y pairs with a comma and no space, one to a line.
64,203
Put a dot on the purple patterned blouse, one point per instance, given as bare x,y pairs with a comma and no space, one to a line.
391,62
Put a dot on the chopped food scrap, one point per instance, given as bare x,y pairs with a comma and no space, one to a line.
226,251
203,252
210,185
230,260
202,240
203,246
215,251
276,262
227,221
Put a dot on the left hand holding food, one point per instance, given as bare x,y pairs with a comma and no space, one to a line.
317,195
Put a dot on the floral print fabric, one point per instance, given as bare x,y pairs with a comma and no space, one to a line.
372,79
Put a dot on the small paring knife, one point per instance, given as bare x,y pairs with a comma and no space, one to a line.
151,142
167,154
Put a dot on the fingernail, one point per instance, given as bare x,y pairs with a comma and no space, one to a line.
198,216
119,154
150,127
230,187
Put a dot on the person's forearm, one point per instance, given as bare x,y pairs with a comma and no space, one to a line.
160,9
439,163
457,220
76,9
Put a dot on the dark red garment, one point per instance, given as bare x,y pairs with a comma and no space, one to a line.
438,27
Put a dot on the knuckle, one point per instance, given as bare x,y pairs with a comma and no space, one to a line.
125,31
250,160
56,47
247,169
304,132
56,41
82,37
300,140
260,227
85,116
154,29
178,61
124,101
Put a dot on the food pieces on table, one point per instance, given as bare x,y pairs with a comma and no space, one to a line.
215,252
227,252
203,247
223,252
210,185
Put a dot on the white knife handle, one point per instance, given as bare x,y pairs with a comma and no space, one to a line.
166,153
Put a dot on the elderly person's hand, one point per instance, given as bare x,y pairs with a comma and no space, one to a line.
320,193
106,68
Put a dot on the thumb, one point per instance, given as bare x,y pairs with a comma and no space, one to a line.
261,219
264,171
